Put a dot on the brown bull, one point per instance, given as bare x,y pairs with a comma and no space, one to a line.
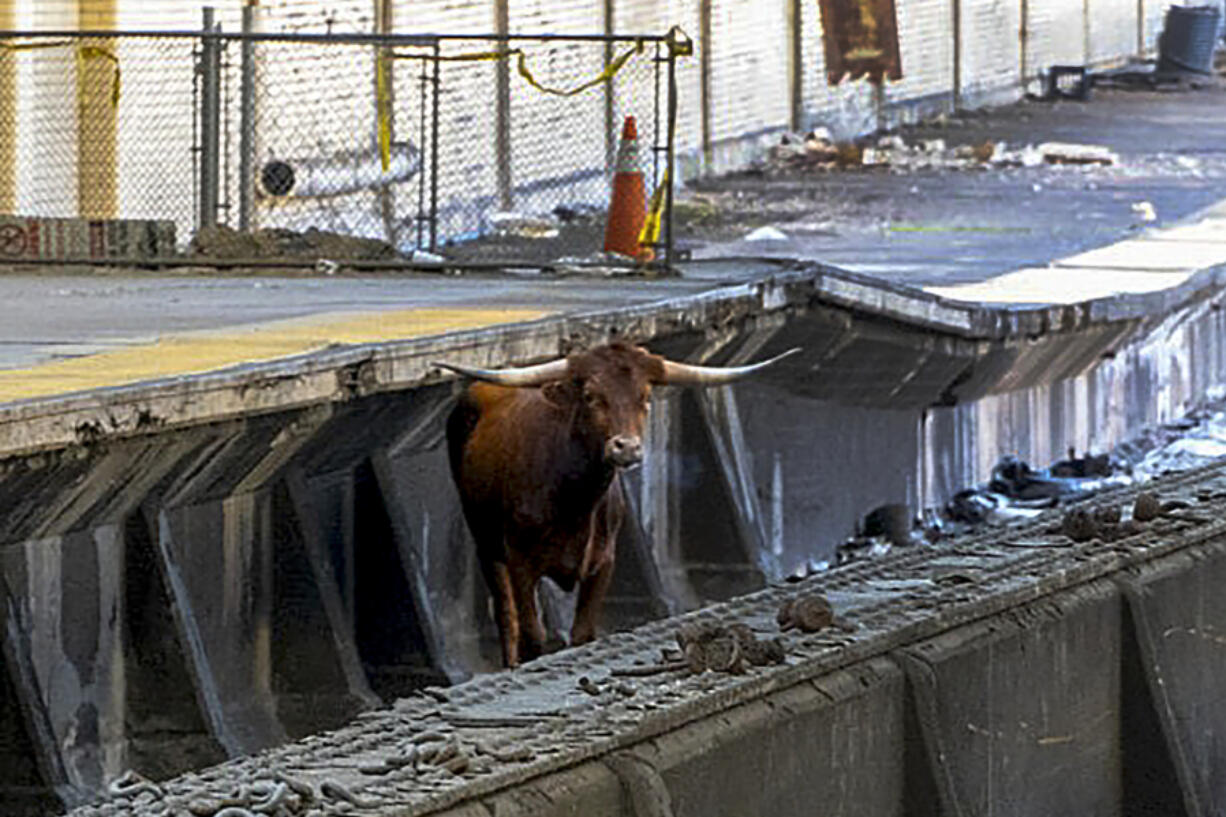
534,452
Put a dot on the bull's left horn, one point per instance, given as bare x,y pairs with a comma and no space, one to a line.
523,376
684,374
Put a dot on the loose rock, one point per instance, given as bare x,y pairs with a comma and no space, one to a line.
1146,507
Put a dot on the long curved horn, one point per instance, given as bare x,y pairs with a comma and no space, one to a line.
522,376
683,374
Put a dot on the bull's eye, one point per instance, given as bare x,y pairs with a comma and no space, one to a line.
592,398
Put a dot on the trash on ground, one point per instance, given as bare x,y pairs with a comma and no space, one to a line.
426,257
816,151
767,234
603,264
1068,153
523,225
1145,210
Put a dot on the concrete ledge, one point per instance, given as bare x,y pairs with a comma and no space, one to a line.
349,372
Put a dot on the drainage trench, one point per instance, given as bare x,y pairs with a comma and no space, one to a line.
185,595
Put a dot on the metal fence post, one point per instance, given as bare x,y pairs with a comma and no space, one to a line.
670,171
502,104
246,138
210,121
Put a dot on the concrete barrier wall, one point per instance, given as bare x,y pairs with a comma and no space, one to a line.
1094,700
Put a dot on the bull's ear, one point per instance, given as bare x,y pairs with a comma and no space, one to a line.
558,393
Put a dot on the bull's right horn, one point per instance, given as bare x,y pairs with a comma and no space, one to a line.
536,375
685,374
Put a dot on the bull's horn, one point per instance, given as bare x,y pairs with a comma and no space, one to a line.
522,376
683,374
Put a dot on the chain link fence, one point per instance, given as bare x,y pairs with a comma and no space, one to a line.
472,150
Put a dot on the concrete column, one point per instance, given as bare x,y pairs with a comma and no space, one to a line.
97,134
8,114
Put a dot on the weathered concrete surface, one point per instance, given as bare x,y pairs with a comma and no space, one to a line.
940,226
295,549
994,676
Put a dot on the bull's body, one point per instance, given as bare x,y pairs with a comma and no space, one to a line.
535,463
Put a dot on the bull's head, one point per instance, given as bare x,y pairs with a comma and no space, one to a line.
608,389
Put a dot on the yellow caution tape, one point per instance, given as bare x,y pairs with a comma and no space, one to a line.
679,43
84,52
649,236
383,101
607,74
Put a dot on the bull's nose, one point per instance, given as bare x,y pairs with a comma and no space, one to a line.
623,450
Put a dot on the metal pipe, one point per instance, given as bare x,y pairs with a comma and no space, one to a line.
210,122
670,170
610,121
704,68
246,145
957,37
421,40
796,66
385,117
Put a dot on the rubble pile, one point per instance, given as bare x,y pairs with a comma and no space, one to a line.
818,151
224,242
724,648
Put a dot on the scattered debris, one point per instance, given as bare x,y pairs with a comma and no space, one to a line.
810,614
710,646
275,242
603,264
426,257
327,266
523,225
1146,507
817,151
1067,153
132,784
1145,210
767,234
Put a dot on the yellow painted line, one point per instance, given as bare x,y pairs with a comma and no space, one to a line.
198,352
1060,285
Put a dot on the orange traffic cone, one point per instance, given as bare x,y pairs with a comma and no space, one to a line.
628,209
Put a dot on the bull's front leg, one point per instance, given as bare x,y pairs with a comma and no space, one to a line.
592,590
531,631
596,571
501,586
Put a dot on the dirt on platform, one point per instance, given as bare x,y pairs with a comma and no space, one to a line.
222,242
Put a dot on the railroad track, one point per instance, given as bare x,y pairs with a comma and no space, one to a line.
445,746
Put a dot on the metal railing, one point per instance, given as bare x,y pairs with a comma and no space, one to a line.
477,149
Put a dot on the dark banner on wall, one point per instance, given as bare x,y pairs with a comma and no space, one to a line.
861,40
